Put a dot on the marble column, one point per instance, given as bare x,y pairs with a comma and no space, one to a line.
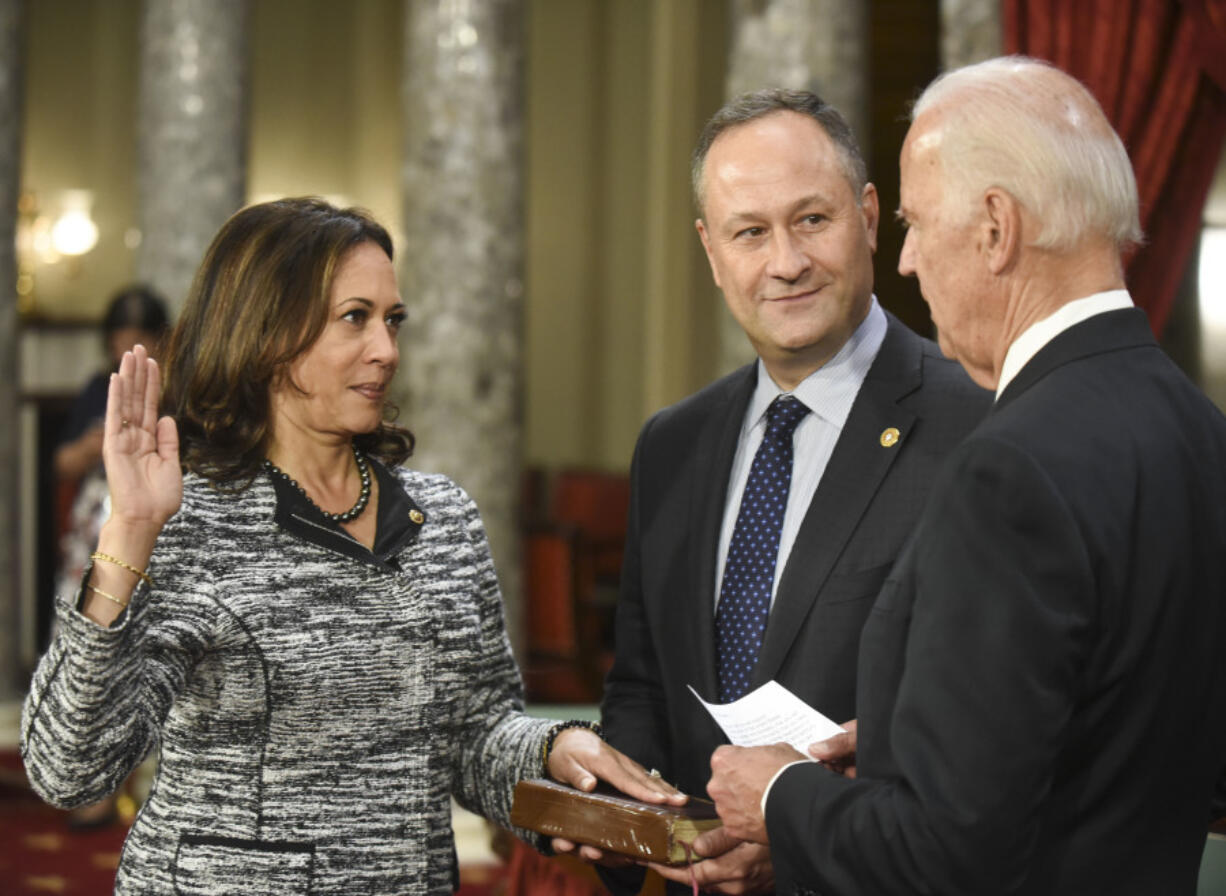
461,260
10,171
821,45
191,133
970,32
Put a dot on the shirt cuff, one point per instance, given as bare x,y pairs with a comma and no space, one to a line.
766,793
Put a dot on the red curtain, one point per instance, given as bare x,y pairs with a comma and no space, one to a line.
1158,67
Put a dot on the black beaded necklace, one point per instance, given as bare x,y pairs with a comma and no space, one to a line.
363,496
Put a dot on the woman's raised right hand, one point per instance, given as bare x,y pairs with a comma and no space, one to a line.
140,451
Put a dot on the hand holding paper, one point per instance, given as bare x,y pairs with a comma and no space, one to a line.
769,715
740,776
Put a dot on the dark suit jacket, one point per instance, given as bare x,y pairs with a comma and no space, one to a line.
1042,705
865,506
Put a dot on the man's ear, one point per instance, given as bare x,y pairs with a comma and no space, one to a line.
706,245
870,208
1002,230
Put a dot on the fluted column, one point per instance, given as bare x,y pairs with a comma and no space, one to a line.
461,264
970,32
192,134
820,45
10,165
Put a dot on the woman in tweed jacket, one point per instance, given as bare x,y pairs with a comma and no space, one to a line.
319,682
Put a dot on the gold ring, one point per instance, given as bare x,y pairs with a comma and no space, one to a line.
123,423
655,773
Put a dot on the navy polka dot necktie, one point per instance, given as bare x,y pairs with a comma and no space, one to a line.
749,570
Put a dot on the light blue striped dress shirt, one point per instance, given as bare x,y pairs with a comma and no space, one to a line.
829,393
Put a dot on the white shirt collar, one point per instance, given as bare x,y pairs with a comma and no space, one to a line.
1039,334
829,391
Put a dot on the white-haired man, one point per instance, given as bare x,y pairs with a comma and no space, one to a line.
1042,701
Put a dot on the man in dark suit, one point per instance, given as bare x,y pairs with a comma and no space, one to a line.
1042,695
789,223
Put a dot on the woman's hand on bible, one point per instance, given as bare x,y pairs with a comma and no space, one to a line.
579,758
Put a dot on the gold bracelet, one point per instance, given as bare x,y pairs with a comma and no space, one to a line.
112,598
107,558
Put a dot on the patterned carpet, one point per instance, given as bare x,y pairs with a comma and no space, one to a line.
38,852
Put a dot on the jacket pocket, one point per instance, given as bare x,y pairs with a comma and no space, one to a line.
206,866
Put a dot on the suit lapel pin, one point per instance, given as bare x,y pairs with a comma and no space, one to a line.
890,437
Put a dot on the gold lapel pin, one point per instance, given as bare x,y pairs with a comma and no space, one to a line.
416,516
890,437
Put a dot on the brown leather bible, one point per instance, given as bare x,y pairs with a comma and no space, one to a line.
613,821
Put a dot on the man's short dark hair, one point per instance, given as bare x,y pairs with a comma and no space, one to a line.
759,103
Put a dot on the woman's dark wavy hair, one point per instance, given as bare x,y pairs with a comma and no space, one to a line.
259,301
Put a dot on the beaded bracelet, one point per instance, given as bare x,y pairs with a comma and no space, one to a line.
557,729
112,598
107,558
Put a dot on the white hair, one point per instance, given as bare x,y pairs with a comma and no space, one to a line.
1028,128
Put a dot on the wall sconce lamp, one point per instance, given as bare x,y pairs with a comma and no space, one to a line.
74,231
62,229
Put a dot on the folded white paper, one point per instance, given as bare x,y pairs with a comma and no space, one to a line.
771,714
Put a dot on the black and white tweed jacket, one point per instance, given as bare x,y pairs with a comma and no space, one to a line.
315,704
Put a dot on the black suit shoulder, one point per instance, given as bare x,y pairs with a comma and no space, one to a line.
1051,609
728,393
914,365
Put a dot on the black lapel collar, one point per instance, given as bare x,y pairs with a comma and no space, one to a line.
1106,332
399,521
856,469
